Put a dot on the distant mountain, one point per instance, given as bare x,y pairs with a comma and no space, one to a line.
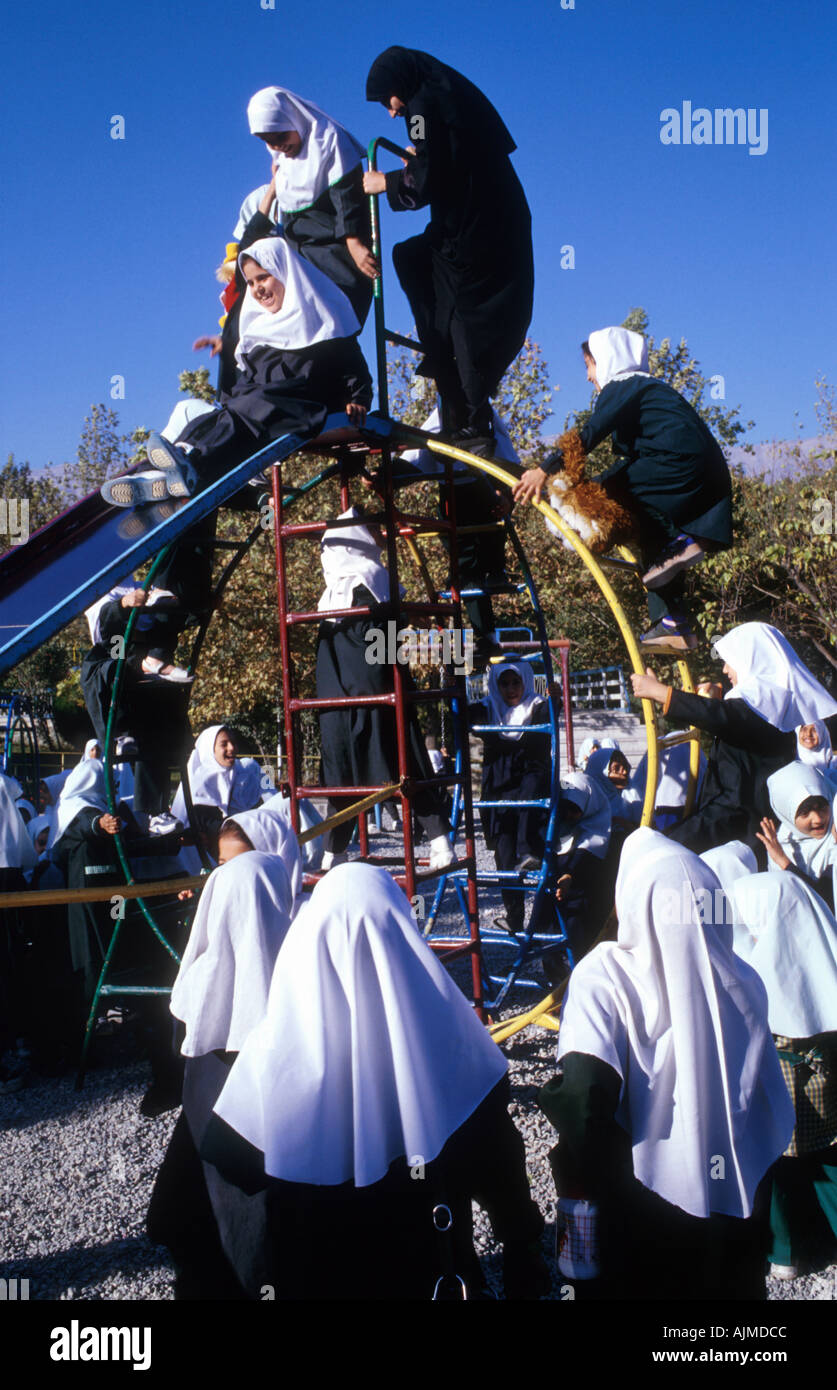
778,458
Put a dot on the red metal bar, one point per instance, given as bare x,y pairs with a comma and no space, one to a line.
282,602
419,610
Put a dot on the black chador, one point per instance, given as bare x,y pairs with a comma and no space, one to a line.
469,276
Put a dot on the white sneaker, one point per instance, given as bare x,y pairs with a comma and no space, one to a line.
441,852
783,1272
330,861
163,824
153,666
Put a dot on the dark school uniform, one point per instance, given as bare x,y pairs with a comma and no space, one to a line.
670,470
359,746
469,276
649,1248
215,1232
734,798
803,1204
378,1242
154,712
319,233
514,770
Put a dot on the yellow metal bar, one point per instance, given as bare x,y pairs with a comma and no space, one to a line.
348,813
54,897
694,751
500,475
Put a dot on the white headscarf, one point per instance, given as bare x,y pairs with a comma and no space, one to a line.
592,832
626,803
314,309
618,353
85,786
674,775
351,556
36,825
787,789
93,613
684,1023
89,746
432,464
820,756
269,830
512,716
788,936
328,151
237,788
222,986
368,1052
309,816
729,863
771,678
17,850
248,209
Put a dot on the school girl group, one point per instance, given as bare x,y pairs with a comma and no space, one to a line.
338,1090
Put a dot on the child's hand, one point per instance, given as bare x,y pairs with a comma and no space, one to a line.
214,342
356,413
135,599
109,824
530,486
770,840
710,690
647,687
363,258
374,182
562,887
184,895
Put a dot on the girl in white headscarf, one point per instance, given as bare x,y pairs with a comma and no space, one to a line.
670,1104
299,360
220,995
772,692
670,472
368,1093
610,770
787,935
318,184
359,745
516,766
813,746
268,830
805,841
220,784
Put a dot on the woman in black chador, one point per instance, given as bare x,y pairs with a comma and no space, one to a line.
469,276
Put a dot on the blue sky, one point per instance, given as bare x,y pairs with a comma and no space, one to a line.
110,245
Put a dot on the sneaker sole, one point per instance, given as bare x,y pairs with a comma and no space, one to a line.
669,646
663,577
133,492
160,456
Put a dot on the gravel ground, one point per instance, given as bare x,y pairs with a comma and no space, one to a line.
78,1169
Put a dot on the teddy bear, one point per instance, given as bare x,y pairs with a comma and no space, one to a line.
586,505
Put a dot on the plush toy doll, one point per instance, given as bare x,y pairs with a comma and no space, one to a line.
585,505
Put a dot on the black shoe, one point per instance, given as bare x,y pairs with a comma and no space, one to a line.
528,864
473,443
484,649
503,923
669,635
498,583
157,1100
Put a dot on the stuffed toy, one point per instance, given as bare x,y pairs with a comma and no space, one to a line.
585,505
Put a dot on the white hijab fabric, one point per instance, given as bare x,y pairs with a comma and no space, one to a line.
512,716
821,756
674,775
627,803
618,353
787,789
369,1051
771,678
85,786
309,816
785,931
231,789
328,151
93,613
269,831
89,746
314,309
222,986
432,465
248,210
592,832
36,825
729,863
17,850
684,1023
350,556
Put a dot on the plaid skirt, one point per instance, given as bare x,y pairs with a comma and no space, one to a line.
809,1066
